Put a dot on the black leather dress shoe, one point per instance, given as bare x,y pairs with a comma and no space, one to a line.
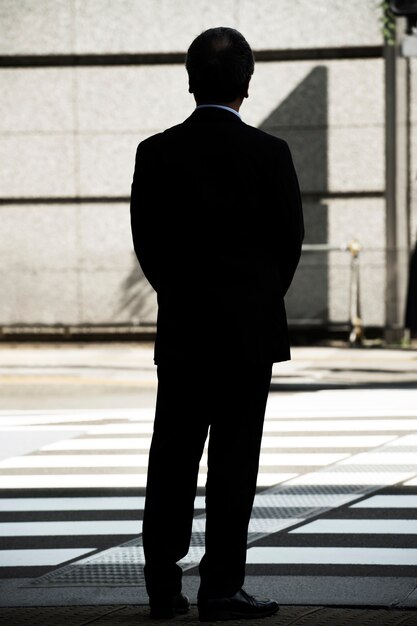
239,606
166,607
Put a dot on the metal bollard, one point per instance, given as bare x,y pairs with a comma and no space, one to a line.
356,335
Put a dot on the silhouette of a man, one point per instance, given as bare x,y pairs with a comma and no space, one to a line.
217,228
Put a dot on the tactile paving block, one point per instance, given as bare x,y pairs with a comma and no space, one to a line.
122,574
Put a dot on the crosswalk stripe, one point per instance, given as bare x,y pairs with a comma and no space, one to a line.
363,403
279,441
342,413
325,441
406,440
114,443
332,556
387,502
385,457
360,526
50,428
115,503
114,429
377,477
377,401
105,503
72,528
411,483
61,419
332,425
56,481
141,460
44,556
12,418
308,430
80,460
272,426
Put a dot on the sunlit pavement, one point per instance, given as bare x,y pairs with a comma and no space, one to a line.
44,375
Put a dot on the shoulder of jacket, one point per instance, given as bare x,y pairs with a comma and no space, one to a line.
150,142
158,139
266,137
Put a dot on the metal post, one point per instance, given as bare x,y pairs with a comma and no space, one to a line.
356,334
397,187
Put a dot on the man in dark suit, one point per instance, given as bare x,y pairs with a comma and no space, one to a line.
411,297
217,228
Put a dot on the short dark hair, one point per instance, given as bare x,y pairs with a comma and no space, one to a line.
219,63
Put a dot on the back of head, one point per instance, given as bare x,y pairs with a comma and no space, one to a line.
219,63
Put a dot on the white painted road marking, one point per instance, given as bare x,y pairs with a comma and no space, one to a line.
333,556
72,528
360,526
388,502
37,558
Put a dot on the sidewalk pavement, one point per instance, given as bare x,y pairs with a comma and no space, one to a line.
338,367
334,367
311,367
133,615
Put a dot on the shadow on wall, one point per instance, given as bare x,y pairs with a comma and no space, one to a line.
301,119
138,299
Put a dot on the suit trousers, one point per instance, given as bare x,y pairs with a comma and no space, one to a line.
227,403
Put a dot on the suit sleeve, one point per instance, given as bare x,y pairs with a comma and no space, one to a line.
291,229
142,216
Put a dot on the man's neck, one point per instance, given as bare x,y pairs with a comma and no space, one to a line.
235,104
218,106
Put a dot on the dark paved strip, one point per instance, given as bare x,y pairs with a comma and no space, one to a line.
98,542
125,615
65,516
330,569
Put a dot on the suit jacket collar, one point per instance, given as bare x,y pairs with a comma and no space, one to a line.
213,114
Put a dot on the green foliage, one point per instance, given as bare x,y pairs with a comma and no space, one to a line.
388,23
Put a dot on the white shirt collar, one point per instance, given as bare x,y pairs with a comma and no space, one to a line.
219,106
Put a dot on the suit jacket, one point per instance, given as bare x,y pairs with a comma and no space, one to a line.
411,299
217,228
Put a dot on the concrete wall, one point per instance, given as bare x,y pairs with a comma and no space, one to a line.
68,135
